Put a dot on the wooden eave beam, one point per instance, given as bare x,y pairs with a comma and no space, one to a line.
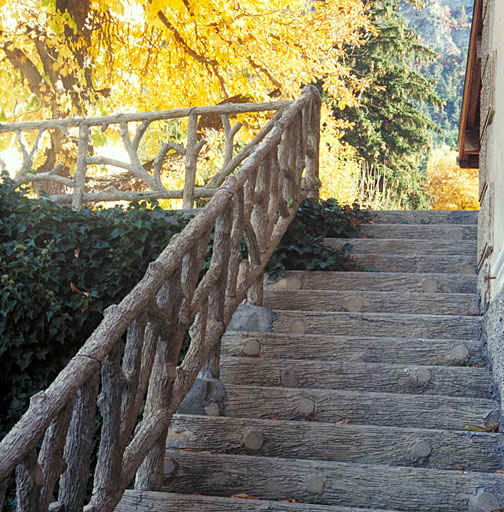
468,141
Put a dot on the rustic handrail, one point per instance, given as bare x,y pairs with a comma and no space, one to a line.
53,441
152,180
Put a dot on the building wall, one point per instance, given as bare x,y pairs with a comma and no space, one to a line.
491,217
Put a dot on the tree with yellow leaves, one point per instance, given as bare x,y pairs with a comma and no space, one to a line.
94,56
452,187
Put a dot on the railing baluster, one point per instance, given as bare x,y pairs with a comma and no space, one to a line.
29,482
191,159
51,453
78,447
80,167
131,365
107,476
157,313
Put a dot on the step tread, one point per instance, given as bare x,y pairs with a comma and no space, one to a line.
140,501
359,407
414,263
362,444
437,232
409,246
354,348
464,304
378,324
380,377
375,281
425,216
409,489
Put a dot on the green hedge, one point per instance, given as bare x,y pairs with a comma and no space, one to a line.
59,269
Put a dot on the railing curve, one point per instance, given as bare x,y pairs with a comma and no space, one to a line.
137,387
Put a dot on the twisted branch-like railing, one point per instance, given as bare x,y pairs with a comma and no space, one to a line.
138,392
82,160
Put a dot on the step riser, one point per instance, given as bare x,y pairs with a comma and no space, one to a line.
366,349
361,444
439,233
373,302
420,264
411,411
377,324
136,501
382,378
329,482
374,281
425,217
412,247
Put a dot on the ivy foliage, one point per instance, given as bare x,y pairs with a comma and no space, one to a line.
301,248
60,268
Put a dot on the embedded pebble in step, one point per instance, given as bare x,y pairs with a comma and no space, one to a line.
467,270
459,353
430,285
253,439
252,348
170,466
306,406
293,283
421,449
423,375
483,502
212,409
354,304
315,485
290,378
297,327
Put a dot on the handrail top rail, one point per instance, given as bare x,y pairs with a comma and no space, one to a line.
70,122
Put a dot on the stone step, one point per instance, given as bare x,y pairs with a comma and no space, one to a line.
411,246
434,233
425,217
140,501
373,302
331,483
359,407
384,349
379,377
378,324
362,444
374,281
413,263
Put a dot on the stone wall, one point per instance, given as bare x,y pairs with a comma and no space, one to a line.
491,217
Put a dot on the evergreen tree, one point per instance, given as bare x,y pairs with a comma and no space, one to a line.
390,128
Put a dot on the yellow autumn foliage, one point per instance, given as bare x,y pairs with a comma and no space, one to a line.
452,187
103,56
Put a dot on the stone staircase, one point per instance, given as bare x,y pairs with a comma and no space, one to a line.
365,396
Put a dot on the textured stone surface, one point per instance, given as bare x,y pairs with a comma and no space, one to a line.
494,337
361,444
371,349
248,317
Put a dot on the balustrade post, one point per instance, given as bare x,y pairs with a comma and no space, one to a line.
80,167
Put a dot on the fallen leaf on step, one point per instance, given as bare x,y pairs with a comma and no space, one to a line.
195,494
187,450
500,472
244,496
261,356
491,428
346,421
497,510
292,500
461,468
